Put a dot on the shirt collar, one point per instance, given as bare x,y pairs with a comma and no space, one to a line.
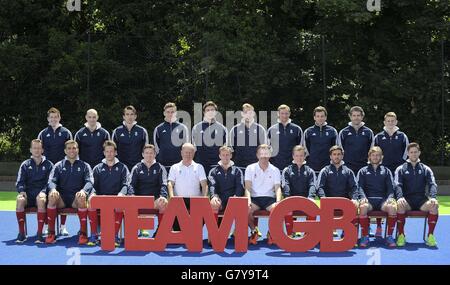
43,158
341,164
67,159
57,127
360,125
153,162
249,124
394,130
221,164
97,125
259,167
304,162
172,120
187,166
116,160
324,124
212,121
371,166
133,124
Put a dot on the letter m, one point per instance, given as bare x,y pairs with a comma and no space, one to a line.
236,211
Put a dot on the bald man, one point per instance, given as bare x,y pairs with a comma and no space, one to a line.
90,139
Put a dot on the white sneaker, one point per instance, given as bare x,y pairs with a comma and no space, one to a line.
63,231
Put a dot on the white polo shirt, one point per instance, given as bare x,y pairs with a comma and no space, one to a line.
187,179
263,182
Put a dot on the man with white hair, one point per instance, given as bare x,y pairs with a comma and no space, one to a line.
187,178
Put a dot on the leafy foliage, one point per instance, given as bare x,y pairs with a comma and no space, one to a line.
266,52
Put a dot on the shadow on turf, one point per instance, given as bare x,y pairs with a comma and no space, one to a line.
182,252
282,253
376,243
410,246
72,241
207,251
67,242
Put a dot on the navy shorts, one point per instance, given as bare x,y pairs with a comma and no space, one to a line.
376,203
31,201
263,202
68,200
224,204
415,202
224,200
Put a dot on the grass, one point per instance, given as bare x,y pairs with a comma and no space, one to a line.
8,202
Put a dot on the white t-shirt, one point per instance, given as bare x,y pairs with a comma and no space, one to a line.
187,179
263,182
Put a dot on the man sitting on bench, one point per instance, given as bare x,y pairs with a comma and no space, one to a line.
337,180
411,180
224,181
262,187
69,185
149,178
32,188
298,179
110,178
376,189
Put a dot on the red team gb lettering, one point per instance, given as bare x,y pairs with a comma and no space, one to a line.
191,223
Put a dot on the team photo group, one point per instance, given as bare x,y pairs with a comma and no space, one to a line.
377,171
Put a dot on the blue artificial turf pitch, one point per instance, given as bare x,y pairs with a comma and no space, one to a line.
66,250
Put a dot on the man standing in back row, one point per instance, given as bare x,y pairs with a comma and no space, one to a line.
356,139
208,136
318,140
392,142
130,138
245,138
282,137
53,139
169,136
90,139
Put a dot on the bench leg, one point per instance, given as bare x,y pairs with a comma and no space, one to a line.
98,224
358,230
396,231
57,225
385,228
25,223
425,228
122,229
